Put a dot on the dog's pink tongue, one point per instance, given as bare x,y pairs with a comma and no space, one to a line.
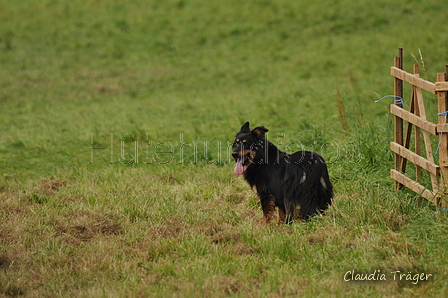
239,169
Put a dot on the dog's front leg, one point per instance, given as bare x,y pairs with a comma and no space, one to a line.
268,205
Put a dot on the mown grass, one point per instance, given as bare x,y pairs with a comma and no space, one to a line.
166,218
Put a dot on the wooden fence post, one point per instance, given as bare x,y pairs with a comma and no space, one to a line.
398,122
443,139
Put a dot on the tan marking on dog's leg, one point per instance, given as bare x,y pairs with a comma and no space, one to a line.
281,215
254,188
292,213
268,208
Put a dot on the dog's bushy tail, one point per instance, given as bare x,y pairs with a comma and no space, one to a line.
308,188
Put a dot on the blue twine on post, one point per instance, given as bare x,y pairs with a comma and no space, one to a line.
440,134
399,100
441,209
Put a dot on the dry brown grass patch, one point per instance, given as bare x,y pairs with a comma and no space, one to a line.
86,225
396,222
51,186
223,285
5,261
241,249
171,229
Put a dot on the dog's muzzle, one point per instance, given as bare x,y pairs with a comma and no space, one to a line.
239,161
235,155
242,158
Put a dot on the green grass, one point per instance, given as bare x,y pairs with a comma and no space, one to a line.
166,218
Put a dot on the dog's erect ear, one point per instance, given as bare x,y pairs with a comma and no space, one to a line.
245,128
260,132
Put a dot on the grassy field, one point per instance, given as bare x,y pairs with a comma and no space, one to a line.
115,123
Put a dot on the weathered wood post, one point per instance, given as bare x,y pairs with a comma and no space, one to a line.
398,122
441,88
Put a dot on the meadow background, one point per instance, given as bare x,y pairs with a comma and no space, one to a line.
115,121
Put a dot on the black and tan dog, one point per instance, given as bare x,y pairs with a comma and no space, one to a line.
286,181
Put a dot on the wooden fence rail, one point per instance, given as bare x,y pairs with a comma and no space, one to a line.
416,117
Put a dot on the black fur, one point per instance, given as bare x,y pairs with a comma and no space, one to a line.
287,181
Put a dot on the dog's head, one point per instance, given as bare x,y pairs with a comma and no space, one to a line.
247,145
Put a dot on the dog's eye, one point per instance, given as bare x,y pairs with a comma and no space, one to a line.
243,144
